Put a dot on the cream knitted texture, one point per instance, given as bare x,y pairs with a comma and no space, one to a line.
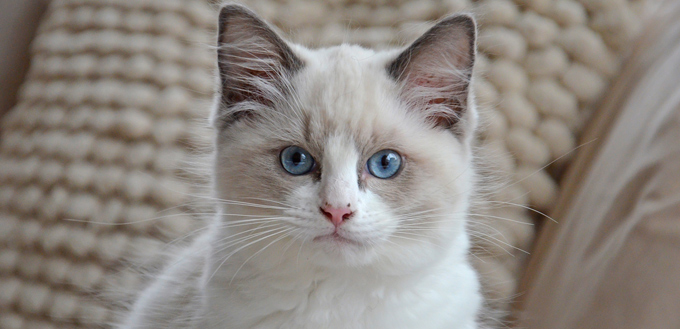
93,160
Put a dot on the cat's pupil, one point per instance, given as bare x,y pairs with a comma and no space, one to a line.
385,161
297,158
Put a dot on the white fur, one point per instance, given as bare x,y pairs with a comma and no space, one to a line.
260,266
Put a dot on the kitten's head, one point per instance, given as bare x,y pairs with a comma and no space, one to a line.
353,156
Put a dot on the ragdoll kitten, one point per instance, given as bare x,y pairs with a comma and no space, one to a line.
343,177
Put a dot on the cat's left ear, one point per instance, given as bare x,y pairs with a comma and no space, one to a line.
254,63
434,74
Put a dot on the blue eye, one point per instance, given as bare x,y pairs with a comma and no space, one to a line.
296,160
384,164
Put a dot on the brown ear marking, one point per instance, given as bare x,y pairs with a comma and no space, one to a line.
435,70
252,61
235,11
397,68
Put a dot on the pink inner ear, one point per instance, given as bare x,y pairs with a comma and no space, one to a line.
436,70
431,82
246,82
438,86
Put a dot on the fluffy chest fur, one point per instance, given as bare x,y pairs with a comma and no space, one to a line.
444,295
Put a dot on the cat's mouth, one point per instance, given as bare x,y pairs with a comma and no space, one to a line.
337,238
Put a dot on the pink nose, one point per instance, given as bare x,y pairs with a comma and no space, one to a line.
337,216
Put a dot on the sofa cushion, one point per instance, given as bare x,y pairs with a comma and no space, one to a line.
92,156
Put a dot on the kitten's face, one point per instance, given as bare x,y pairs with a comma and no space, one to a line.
342,167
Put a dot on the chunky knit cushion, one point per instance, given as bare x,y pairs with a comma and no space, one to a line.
91,157
96,159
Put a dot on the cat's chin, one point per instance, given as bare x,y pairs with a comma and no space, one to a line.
334,250
337,240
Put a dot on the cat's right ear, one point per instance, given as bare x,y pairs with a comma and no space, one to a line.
434,74
254,65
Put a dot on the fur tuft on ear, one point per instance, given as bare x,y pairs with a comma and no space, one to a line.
435,72
254,64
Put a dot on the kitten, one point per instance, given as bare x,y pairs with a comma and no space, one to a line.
343,178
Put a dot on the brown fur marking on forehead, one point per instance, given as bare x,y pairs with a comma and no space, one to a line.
350,94
368,136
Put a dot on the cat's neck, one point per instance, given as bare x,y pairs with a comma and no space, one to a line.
297,285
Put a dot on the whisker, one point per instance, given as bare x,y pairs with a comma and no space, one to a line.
484,236
272,201
251,220
241,248
502,218
292,240
227,245
400,236
259,251
297,259
524,207
230,242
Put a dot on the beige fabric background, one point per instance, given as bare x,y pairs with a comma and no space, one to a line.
93,160
614,259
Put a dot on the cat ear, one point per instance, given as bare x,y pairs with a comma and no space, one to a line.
254,63
434,73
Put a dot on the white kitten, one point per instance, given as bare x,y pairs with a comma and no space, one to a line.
343,177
